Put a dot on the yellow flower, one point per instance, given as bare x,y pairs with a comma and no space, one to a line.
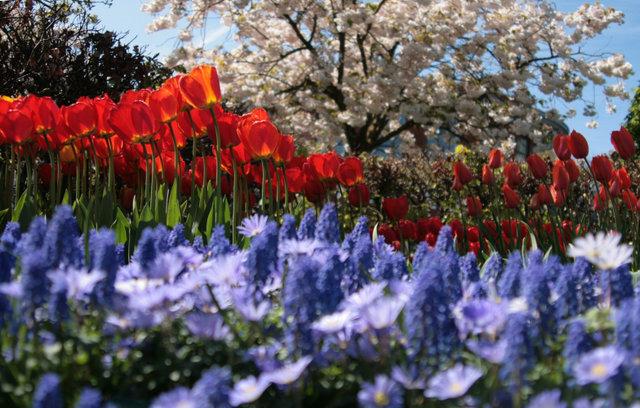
461,150
7,98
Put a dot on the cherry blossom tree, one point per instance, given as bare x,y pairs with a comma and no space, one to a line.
362,73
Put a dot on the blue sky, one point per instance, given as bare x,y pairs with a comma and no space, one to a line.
125,15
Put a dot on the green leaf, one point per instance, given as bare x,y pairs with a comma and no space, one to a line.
121,227
173,207
17,214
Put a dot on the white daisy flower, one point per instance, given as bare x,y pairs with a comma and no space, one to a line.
602,250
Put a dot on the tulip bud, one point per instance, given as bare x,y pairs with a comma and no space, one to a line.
487,175
560,175
544,195
462,172
614,186
359,195
630,200
602,168
623,142
561,146
408,230
512,174
396,208
511,197
558,196
578,145
625,179
537,166
495,158
573,170
474,206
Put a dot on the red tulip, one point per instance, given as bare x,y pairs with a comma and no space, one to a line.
630,200
578,145
487,175
262,139
512,174
511,197
560,175
227,126
602,168
194,124
134,122
326,165
408,230
388,233
396,208
544,195
495,158
17,127
561,147
43,112
625,179
164,105
350,172
200,88
285,151
558,195
103,106
431,225
457,227
474,206
537,166
81,118
615,185
573,170
134,95
491,228
473,234
623,142
359,195
600,200
295,179
462,172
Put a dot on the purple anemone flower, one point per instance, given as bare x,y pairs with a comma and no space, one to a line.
254,225
547,399
452,383
384,392
289,373
248,390
479,316
490,351
598,365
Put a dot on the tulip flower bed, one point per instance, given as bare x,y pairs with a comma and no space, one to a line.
495,204
304,316
165,156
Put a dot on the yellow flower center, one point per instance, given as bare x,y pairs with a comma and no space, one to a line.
599,370
381,399
456,388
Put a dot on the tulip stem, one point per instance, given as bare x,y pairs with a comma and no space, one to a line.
154,180
111,175
16,197
96,162
52,180
235,203
271,210
286,189
275,169
218,164
77,160
264,179
176,158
